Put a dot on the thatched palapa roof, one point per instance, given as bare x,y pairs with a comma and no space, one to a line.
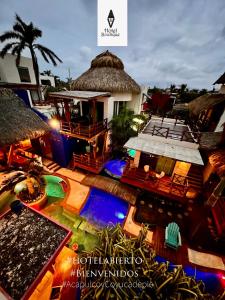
217,160
206,101
106,74
18,122
211,140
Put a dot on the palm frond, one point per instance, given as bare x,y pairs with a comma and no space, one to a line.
20,21
36,32
6,48
15,49
18,52
17,27
44,56
49,53
10,35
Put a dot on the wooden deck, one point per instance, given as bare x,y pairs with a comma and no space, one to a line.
112,186
179,257
163,186
88,163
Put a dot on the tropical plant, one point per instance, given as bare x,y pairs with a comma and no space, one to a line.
47,73
27,183
121,257
24,36
123,126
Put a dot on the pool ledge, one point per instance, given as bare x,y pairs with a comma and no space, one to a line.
132,228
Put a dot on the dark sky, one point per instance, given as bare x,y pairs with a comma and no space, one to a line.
169,41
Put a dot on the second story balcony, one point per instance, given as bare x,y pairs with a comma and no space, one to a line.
83,130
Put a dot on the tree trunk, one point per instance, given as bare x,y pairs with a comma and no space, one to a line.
36,71
30,186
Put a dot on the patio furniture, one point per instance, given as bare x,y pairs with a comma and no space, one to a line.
161,175
172,236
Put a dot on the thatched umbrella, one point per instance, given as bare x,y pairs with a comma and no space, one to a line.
18,122
204,102
106,74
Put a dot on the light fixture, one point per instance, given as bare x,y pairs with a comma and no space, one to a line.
55,124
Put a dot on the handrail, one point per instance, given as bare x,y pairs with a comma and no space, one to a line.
185,135
84,130
175,188
89,161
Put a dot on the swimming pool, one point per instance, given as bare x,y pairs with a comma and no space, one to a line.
115,167
102,209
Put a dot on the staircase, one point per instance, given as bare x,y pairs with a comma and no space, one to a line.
195,179
51,165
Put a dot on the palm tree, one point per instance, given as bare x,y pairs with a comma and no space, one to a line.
123,126
25,36
47,72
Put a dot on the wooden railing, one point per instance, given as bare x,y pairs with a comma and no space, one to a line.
83,130
85,160
177,185
185,135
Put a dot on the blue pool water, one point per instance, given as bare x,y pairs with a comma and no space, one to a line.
115,167
102,209
213,281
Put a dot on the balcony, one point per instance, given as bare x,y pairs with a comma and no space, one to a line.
171,129
89,163
176,187
83,131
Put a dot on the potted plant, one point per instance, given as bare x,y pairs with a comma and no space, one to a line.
31,189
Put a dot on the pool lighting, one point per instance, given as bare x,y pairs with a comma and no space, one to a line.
132,152
54,124
139,121
120,215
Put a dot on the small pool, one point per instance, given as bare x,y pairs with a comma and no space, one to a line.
102,209
56,188
214,281
115,167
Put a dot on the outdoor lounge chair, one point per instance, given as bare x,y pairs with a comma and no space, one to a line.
172,236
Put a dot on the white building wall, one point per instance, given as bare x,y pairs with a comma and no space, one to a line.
219,126
50,78
222,89
9,72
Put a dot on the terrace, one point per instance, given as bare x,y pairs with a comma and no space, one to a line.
166,161
168,128
80,113
175,187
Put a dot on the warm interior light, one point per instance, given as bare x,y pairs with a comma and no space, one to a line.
55,124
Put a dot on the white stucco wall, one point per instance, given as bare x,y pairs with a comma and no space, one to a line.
9,72
222,89
50,78
219,126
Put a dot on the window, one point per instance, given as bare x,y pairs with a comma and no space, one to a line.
46,82
118,106
34,96
24,74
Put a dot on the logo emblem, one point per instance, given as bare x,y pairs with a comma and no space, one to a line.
111,18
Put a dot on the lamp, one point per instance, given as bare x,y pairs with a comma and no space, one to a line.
55,124
146,169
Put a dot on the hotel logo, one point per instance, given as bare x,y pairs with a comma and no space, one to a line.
111,18
112,23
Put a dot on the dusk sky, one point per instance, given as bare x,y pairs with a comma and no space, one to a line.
169,41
